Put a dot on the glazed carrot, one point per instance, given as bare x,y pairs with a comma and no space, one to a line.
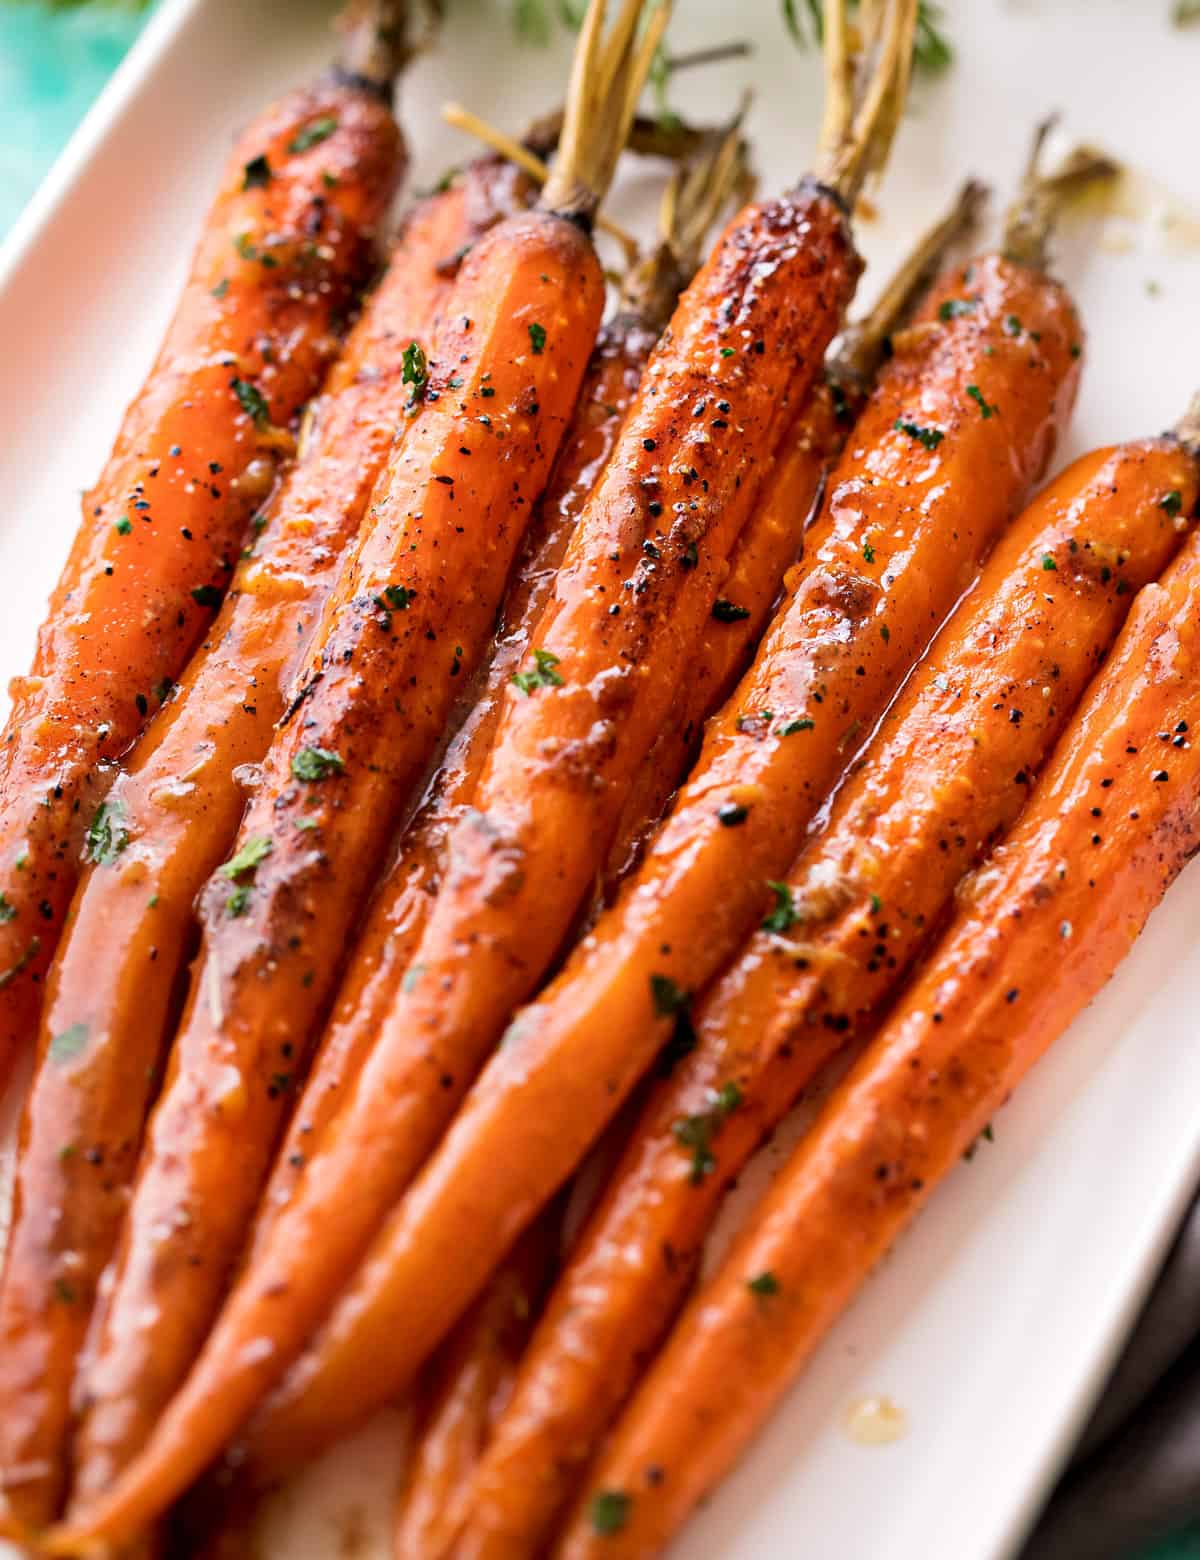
286,244
831,658
173,813
399,911
1039,929
782,273
773,538
947,772
549,795
469,1386
411,611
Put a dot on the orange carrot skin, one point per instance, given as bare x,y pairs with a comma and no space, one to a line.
988,1002
493,929
471,1379
947,773
178,804
570,1058
398,913
412,610
771,543
278,265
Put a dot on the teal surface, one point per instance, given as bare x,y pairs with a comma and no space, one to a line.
52,65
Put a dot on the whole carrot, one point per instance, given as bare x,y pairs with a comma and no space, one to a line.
286,244
947,772
468,1388
654,534
933,501
402,903
170,817
685,472
411,612
1039,929
773,539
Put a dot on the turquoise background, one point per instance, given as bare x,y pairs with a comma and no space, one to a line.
52,65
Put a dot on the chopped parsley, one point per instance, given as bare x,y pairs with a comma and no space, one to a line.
313,133
726,612
929,437
70,1043
954,308
398,597
668,998
784,914
976,394
414,369
107,835
793,726
252,401
206,595
257,848
238,902
868,553
609,1511
1171,503
314,763
256,175
537,338
764,1283
8,911
123,526
1049,564
696,1133
221,288
1012,325
726,351
544,674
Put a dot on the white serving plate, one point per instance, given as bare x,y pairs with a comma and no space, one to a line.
993,1324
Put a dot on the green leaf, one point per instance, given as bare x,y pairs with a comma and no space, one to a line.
314,763
609,1511
313,133
107,835
784,913
70,1043
542,676
252,402
257,848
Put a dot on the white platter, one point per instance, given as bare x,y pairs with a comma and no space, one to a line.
993,1324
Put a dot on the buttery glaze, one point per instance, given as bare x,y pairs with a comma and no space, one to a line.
948,771
286,245
570,1057
178,805
384,947
989,1001
443,525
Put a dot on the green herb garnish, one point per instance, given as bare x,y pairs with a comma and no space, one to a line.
314,763
543,675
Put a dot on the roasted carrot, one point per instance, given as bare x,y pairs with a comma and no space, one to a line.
947,772
398,913
520,864
172,815
831,658
773,538
286,244
411,611
469,1386
717,347
1040,927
